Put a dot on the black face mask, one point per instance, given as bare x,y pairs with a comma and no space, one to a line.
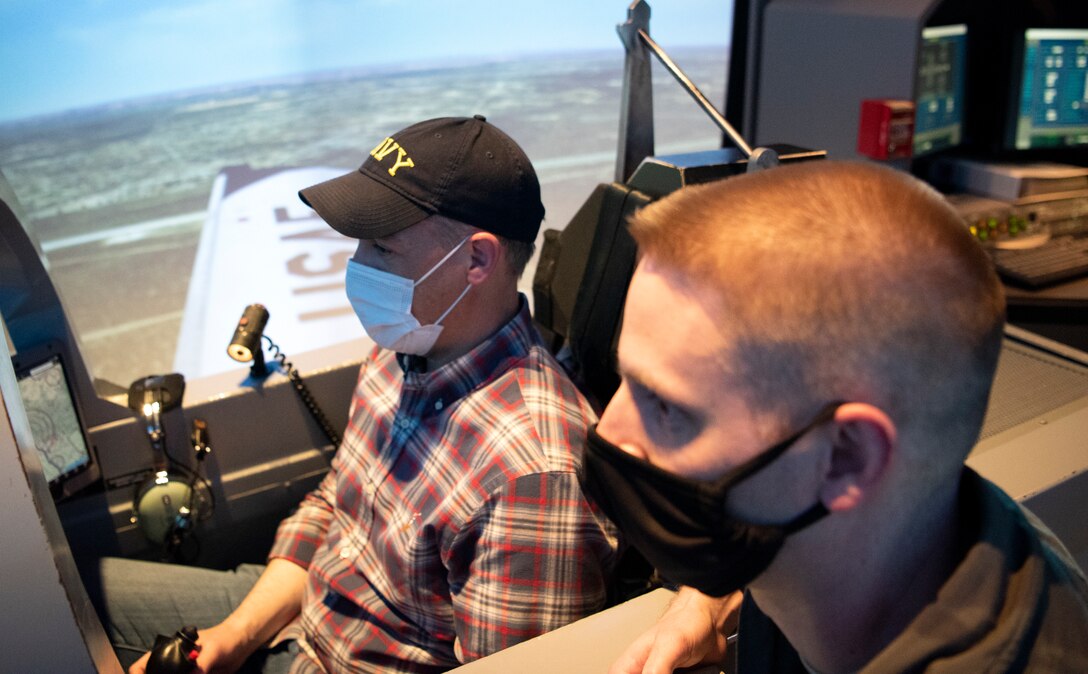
681,525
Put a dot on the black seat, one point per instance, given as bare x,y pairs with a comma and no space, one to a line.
581,284
581,280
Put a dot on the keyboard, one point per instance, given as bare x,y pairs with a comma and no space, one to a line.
1061,258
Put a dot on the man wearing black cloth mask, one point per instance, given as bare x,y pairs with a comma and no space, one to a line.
800,389
452,523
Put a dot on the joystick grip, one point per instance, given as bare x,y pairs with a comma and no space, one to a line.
176,654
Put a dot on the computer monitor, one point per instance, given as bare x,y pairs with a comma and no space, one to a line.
939,90
54,417
1051,99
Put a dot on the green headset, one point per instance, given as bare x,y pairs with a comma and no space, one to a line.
167,505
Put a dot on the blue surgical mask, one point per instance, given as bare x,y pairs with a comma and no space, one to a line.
383,303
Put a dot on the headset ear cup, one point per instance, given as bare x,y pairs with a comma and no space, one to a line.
159,504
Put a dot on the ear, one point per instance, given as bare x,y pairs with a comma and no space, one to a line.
486,252
863,441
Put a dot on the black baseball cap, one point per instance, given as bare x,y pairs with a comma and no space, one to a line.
460,167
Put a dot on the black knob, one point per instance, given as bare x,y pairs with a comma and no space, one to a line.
176,654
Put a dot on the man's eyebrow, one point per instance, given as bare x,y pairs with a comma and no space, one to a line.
634,376
646,381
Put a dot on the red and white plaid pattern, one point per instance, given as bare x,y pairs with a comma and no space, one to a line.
452,511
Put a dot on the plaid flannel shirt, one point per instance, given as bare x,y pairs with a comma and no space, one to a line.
452,524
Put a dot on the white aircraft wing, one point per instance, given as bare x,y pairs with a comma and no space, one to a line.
261,244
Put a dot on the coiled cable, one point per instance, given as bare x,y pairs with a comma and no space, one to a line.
304,393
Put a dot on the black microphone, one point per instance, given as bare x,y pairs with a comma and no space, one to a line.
245,346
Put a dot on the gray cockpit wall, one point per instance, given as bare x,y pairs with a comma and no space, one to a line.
267,451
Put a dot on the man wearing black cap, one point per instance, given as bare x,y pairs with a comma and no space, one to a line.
452,523
447,197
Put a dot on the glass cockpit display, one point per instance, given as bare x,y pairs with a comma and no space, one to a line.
54,423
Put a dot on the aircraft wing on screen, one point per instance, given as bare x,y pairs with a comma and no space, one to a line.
261,244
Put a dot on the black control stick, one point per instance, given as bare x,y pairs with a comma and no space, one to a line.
176,654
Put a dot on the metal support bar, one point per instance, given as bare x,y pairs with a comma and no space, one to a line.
686,82
636,140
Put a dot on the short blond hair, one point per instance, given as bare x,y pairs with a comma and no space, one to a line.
840,280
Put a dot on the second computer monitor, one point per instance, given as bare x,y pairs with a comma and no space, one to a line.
1051,99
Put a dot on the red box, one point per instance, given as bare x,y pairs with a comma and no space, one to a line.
886,128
